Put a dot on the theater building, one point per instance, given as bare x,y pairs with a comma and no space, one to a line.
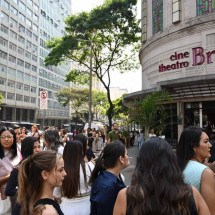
178,55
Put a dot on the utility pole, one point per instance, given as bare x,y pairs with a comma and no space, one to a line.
90,86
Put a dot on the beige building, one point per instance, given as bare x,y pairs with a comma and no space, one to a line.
178,54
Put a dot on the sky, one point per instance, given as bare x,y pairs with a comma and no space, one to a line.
130,80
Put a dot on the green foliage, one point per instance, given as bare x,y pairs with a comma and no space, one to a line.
1,98
109,35
149,112
78,99
120,110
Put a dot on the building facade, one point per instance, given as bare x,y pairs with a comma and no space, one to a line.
178,55
26,25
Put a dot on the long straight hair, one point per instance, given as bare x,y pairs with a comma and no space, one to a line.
157,185
13,147
30,178
73,159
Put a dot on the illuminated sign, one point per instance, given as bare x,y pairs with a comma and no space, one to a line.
180,59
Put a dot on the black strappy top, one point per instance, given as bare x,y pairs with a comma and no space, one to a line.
47,201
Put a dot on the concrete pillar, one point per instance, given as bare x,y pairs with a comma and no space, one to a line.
180,114
200,115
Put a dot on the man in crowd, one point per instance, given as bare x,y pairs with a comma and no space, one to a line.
115,134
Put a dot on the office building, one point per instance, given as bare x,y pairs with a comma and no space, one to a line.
26,25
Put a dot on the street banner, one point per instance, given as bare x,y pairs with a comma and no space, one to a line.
43,99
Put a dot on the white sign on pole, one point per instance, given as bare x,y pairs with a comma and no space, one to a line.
43,99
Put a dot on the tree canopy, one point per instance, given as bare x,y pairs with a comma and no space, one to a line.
149,112
109,35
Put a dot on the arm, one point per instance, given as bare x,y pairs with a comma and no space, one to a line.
120,204
49,210
201,206
208,189
12,183
4,179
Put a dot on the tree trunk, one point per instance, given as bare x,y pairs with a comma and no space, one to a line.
110,109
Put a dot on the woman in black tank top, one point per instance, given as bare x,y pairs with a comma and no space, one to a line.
38,175
157,186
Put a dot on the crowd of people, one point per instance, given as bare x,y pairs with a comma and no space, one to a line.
52,173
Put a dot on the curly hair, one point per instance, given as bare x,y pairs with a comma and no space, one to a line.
157,185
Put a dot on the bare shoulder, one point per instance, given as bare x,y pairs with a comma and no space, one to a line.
208,176
49,210
120,204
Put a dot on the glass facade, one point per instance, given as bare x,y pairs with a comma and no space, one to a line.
204,7
157,15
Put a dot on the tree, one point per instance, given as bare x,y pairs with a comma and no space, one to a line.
78,100
120,110
150,112
109,35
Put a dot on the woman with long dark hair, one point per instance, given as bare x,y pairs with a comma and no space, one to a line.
9,157
192,151
75,198
38,176
51,140
106,179
157,185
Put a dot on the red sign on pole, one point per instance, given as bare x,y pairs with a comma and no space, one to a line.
43,99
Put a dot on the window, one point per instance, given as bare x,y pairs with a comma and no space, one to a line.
27,65
11,83
144,21
5,4
33,89
34,68
19,86
34,79
35,27
30,2
27,77
176,5
13,34
26,87
28,55
18,97
21,17
15,1
11,71
29,12
4,17
28,44
29,23
26,99
157,15
35,37
3,68
13,23
14,11
22,5
29,33
36,7
2,81
12,59
20,62
35,17
3,55
34,58
12,46
21,39
3,41
20,74
4,29
20,51
21,29
204,7
33,100
11,96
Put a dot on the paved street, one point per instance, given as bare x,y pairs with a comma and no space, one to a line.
127,172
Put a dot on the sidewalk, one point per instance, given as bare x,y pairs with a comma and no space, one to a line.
127,172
